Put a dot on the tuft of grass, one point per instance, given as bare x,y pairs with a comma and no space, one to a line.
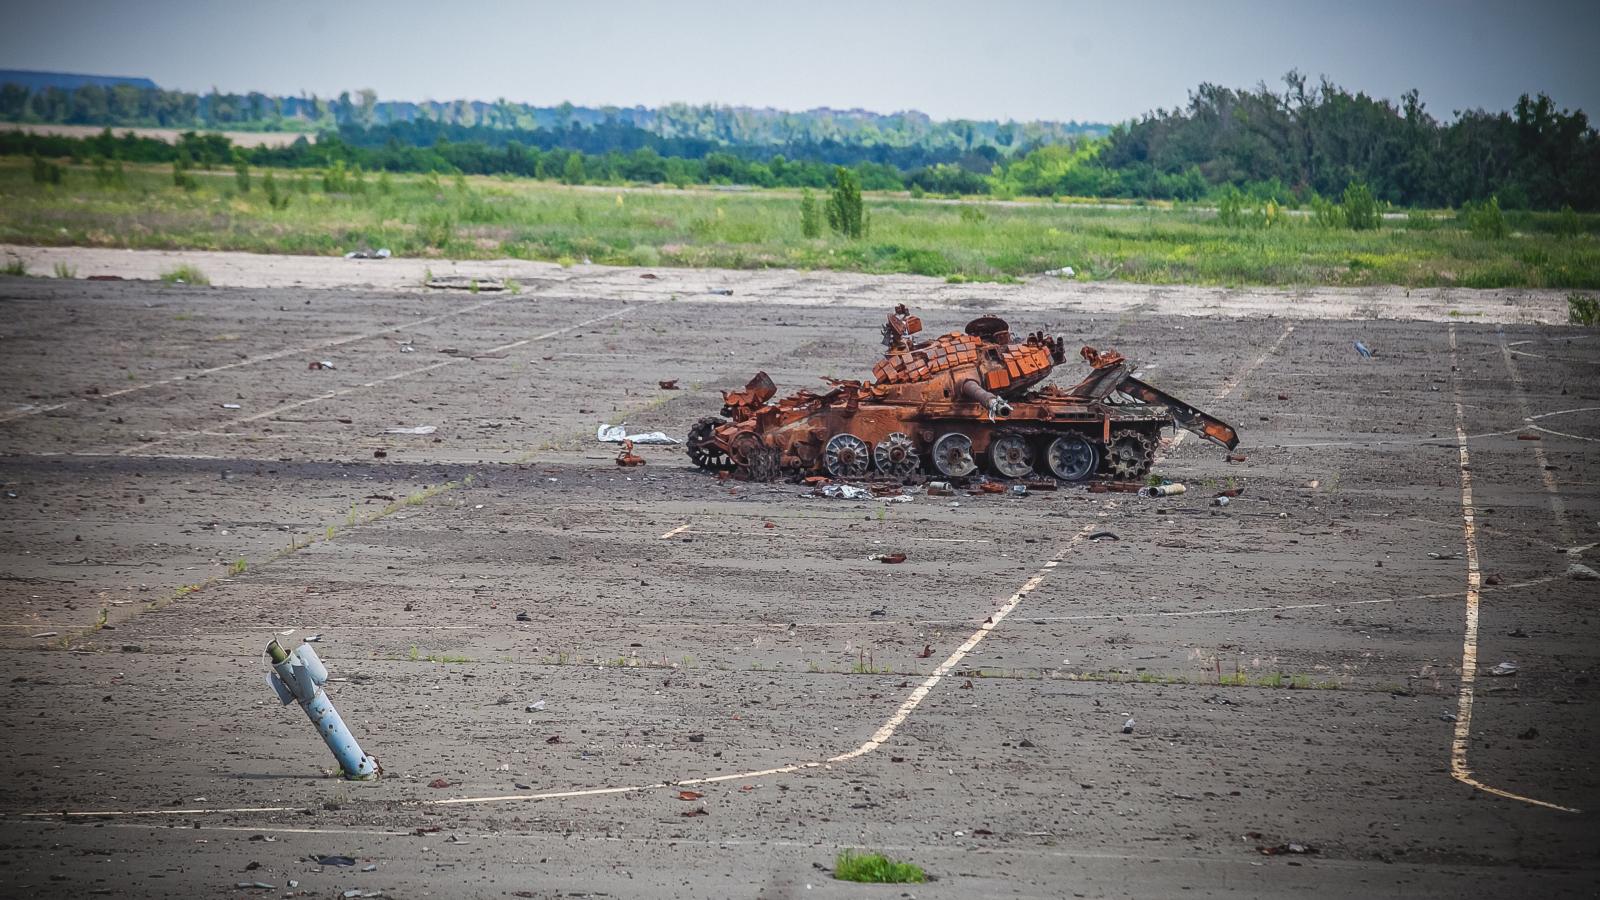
185,274
14,267
65,271
875,868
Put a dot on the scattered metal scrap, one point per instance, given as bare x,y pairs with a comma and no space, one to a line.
941,406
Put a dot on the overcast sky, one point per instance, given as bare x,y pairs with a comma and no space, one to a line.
1102,61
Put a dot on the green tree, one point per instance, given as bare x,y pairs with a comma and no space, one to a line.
572,172
241,176
844,208
810,215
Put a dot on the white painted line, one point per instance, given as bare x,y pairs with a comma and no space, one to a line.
1558,508
1233,383
789,532
676,531
879,737
265,357
135,450
1460,769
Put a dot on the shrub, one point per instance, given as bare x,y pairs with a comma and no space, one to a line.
1230,208
181,177
1567,224
1583,309
972,214
845,213
241,176
46,172
810,215
275,199
1360,207
1325,213
1485,220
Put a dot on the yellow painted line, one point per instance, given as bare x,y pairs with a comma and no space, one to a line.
265,357
1460,769
135,449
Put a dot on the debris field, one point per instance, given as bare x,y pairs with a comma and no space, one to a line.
587,668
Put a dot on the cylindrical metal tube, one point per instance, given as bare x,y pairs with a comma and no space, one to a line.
1162,490
299,677
970,390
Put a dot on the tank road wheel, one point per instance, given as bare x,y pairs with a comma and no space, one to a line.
702,452
1071,458
846,456
1130,455
897,455
952,455
1010,456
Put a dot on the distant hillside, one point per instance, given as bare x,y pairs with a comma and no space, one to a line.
38,81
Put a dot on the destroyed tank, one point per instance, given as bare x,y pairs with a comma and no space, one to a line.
941,407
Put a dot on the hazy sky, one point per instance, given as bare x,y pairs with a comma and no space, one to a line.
1102,61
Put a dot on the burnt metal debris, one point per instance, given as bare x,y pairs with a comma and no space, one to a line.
945,406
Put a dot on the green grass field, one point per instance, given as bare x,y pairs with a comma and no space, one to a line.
426,216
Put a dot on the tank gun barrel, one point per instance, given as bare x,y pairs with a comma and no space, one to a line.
971,391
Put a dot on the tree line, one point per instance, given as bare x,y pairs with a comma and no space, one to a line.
1291,148
123,106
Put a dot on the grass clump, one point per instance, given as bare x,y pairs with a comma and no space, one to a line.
14,267
875,868
65,271
185,274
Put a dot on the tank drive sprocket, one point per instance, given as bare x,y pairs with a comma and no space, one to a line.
702,452
1130,455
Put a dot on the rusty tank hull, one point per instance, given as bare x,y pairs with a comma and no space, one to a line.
951,407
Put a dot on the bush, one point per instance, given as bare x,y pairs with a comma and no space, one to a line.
46,172
181,177
241,176
972,215
1583,309
1567,224
810,215
1325,213
275,199
1230,208
1360,207
844,208
1485,220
